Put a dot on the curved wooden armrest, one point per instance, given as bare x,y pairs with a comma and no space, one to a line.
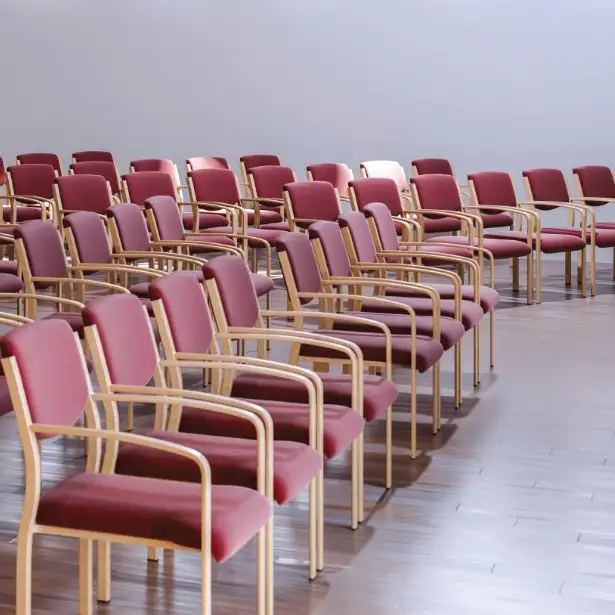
43,298
180,258
146,271
36,200
599,199
13,320
582,209
94,283
265,201
525,213
215,247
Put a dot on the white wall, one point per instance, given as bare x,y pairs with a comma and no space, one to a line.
491,84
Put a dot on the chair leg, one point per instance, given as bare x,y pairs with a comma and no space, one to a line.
492,338
354,504
23,591
476,333
152,554
435,398
568,274
103,576
583,273
85,576
529,283
388,451
131,417
313,527
269,567
458,399
538,276
206,582
412,414
320,553
262,595
515,275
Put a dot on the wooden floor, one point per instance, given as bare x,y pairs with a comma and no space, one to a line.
510,511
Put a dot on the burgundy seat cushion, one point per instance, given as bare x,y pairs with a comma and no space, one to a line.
267,234
489,297
471,313
341,424
605,225
278,226
549,243
141,290
232,461
451,330
441,225
8,267
24,213
208,238
6,405
451,250
373,346
605,238
206,220
10,283
74,319
267,216
263,284
156,509
500,246
498,220
378,393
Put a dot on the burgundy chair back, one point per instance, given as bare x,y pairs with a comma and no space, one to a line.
386,168
32,179
438,192
131,227
357,228
432,166
302,261
493,188
237,293
596,181
547,185
206,162
215,185
155,164
145,184
98,167
331,240
167,217
52,371
90,235
377,190
190,322
126,338
44,250
84,193
337,174
252,161
93,155
41,158
2,173
269,181
313,200
383,221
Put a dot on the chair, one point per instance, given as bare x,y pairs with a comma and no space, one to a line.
190,341
432,166
99,167
238,317
162,165
50,390
381,350
41,158
440,194
337,174
386,168
93,155
138,187
206,162
251,161
29,193
546,190
82,193
309,202
168,233
267,187
493,190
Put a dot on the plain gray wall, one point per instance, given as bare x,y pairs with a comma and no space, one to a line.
490,84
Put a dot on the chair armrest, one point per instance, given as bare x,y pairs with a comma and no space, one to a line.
44,298
146,271
94,283
171,256
218,247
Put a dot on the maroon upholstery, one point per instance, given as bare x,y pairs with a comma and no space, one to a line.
377,190
44,250
131,226
10,283
207,162
93,155
236,290
337,174
386,168
596,181
41,158
9,267
90,236
155,164
549,243
547,185
146,184
33,180
433,166
605,237
168,219
156,509
381,216
251,161
73,319
332,243
2,173
98,167
215,185
262,284
125,334
269,181
233,461
56,390
84,193
302,261
494,188
500,245
362,239
496,220
6,404
437,192
313,200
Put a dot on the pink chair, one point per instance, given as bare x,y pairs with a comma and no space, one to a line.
252,161
50,391
30,193
103,168
309,202
386,168
267,187
206,162
41,158
337,174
